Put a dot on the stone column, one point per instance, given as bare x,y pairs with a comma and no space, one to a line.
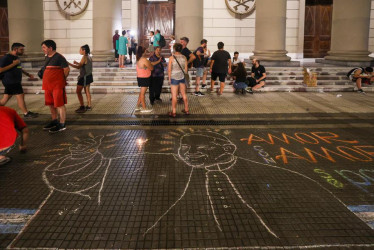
26,26
270,34
189,21
350,31
106,19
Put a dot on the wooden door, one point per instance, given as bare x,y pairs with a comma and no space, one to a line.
155,15
318,22
4,31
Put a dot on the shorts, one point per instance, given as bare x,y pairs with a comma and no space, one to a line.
221,76
84,81
55,97
13,89
144,82
200,72
177,82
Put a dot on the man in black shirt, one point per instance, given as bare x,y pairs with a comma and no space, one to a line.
220,65
258,73
186,52
11,75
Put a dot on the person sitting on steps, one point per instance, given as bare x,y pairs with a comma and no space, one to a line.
359,76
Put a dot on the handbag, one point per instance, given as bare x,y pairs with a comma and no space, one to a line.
186,75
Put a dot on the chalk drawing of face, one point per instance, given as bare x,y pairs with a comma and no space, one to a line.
205,150
80,171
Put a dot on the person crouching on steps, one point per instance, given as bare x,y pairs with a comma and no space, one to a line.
85,78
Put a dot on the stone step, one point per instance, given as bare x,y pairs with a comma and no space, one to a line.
277,88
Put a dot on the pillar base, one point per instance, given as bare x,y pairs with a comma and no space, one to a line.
103,55
271,55
349,56
347,63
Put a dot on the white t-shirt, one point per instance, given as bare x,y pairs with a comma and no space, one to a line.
171,44
235,62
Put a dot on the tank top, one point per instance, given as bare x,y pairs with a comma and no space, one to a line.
176,71
142,73
86,70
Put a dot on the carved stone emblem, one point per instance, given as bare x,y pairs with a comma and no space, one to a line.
241,7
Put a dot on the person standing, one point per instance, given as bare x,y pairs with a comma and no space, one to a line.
176,70
10,123
115,39
11,71
56,70
85,78
258,73
143,73
171,44
122,49
132,47
157,77
157,37
151,40
219,67
199,64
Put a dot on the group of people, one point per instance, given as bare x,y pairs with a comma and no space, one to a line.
124,45
150,72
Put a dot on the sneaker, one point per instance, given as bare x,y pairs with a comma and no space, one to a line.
5,160
249,90
146,110
50,125
360,91
199,94
59,127
88,108
195,93
30,115
138,108
203,86
81,109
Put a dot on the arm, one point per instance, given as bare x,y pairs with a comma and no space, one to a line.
28,74
192,58
156,62
229,66
186,67
80,64
66,72
15,63
148,64
171,59
211,65
358,73
24,138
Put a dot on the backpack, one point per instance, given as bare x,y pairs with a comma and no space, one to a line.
198,62
162,41
352,70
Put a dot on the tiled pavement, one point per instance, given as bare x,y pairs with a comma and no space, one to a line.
270,170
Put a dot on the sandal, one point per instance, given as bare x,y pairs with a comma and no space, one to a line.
172,115
186,112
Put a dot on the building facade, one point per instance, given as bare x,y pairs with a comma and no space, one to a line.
281,30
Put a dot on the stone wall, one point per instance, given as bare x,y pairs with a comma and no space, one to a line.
68,32
371,32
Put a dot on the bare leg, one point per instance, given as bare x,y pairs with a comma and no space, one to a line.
21,102
258,86
143,90
183,92
88,95
79,94
358,83
174,93
62,113
197,84
53,112
212,85
5,99
222,86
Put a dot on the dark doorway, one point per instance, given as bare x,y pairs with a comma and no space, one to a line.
4,29
318,22
155,15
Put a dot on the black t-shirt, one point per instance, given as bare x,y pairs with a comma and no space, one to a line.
57,60
220,58
259,72
13,75
241,76
186,52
